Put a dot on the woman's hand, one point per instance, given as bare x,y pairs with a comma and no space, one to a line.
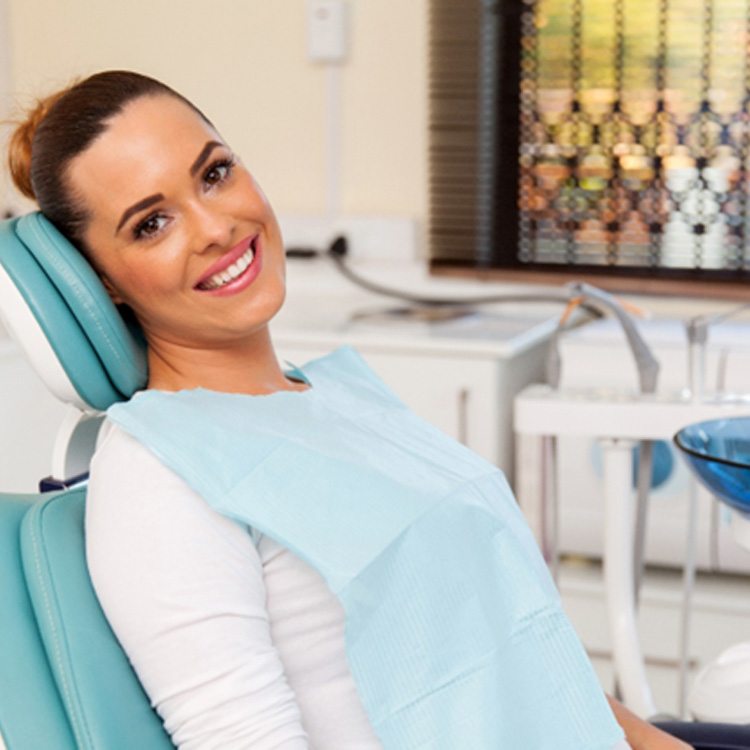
640,734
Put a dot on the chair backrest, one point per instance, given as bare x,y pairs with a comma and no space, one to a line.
64,680
31,711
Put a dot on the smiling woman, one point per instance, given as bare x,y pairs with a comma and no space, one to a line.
314,568
179,232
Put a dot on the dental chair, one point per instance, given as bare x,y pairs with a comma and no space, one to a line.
65,683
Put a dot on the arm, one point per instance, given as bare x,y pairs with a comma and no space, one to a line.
183,590
640,734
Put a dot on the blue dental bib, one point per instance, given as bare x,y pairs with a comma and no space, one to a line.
454,631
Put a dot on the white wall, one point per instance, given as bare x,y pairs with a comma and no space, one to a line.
4,58
244,63
5,96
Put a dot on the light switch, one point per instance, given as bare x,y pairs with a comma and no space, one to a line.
326,30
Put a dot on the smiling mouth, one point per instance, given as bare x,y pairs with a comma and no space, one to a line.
232,272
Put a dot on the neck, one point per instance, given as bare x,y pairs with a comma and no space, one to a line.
247,367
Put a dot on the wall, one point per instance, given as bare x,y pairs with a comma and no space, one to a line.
5,97
4,58
244,62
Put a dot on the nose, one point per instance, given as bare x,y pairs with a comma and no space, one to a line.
210,226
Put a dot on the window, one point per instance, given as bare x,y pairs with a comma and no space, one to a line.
592,136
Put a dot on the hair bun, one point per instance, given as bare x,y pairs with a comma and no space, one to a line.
22,140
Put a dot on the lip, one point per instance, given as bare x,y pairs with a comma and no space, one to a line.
227,259
245,278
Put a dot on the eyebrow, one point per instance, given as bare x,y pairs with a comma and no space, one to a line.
147,202
203,155
140,206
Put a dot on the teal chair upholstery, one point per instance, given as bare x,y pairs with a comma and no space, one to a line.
65,683
31,710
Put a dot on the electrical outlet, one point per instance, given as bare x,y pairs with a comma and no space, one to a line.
326,30
370,237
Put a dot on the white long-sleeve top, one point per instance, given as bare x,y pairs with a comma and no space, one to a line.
237,642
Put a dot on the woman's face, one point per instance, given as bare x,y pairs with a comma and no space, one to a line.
178,229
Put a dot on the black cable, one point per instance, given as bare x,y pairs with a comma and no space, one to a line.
338,251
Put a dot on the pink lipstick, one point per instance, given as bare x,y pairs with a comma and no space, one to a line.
235,270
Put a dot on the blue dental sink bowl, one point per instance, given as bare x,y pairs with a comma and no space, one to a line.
718,452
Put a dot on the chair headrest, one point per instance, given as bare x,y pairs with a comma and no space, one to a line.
54,305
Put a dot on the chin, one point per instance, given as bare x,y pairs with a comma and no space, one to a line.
270,300
262,313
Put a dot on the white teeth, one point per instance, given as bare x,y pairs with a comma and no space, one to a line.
229,274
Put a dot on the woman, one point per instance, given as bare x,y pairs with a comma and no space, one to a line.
237,641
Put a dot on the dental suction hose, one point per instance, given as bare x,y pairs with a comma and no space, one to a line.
648,375
646,364
648,372
337,253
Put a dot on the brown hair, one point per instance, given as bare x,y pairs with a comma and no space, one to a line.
63,125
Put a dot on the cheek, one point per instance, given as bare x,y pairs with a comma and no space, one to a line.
251,196
145,281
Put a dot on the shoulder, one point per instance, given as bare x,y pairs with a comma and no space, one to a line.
133,497
125,475
147,532
118,453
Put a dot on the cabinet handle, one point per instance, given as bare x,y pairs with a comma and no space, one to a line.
652,661
463,416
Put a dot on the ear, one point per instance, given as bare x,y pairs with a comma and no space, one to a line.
114,295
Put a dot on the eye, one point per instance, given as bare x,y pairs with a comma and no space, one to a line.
218,172
149,227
